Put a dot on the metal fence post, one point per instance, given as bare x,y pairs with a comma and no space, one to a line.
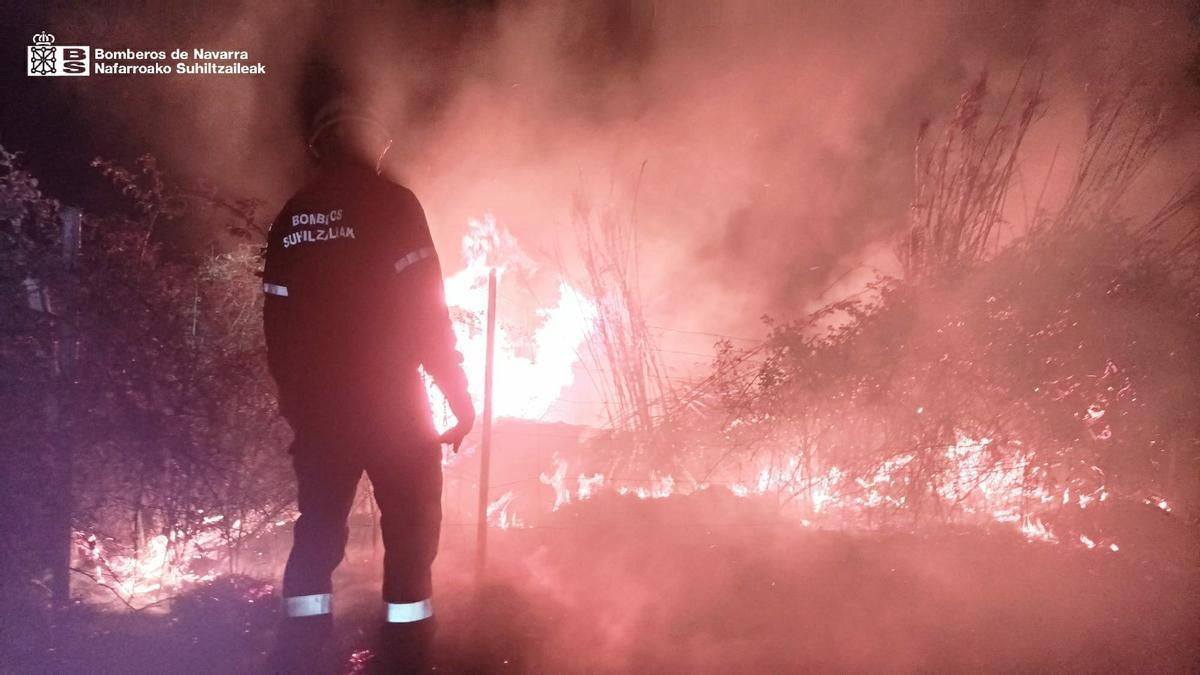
485,451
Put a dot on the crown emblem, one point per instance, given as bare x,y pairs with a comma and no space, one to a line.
43,38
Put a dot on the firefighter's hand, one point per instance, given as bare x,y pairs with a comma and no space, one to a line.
454,435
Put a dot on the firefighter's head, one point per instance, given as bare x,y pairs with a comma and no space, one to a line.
345,129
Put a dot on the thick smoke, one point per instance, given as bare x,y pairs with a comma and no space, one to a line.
765,151
776,138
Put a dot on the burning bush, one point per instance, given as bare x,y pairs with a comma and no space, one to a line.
1053,375
1033,380
143,427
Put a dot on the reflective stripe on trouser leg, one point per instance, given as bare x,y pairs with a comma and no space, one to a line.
275,289
325,486
408,612
308,605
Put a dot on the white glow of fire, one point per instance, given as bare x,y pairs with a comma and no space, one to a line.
659,487
978,486
499,515
525,385
587,486
169,562
1035,530
161,565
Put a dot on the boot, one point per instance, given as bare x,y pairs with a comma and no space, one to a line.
300,645
405,648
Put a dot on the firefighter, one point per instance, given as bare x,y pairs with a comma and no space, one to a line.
353,306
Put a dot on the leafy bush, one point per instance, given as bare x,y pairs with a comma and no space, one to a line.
141,416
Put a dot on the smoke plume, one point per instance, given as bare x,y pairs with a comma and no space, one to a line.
763,148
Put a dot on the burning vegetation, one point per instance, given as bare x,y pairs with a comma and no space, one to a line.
988,459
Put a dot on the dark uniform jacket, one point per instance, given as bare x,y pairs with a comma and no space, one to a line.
354,304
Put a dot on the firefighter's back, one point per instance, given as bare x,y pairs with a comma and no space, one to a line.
337,340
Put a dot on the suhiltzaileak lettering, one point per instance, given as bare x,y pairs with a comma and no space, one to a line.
325,234
210,68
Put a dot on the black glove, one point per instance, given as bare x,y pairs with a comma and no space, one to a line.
464,413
